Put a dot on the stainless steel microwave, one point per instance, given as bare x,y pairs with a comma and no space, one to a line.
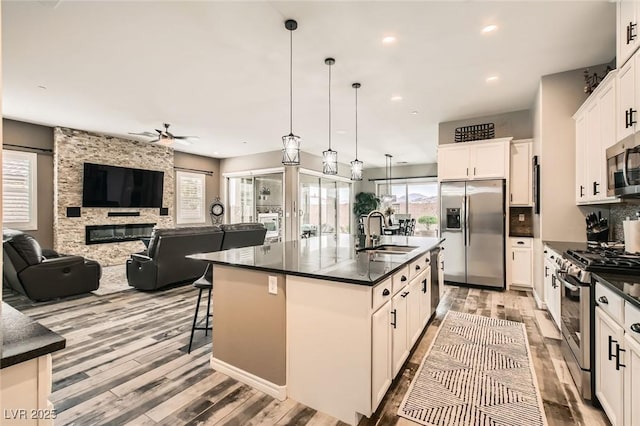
623,168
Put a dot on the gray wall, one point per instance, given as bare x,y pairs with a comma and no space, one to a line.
35,136
517,124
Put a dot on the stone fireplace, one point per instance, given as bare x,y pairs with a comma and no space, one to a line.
72,148
104,234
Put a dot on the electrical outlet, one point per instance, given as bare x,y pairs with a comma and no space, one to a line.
521,218
273,284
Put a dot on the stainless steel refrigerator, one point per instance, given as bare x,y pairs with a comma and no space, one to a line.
472,221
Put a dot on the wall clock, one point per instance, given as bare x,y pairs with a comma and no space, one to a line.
216,211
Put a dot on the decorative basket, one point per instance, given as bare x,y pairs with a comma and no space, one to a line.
475,132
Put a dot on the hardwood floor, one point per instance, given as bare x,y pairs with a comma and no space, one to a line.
126,362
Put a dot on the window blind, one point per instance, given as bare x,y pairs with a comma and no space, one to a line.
18,189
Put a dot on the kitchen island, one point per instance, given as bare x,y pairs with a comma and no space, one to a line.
316,321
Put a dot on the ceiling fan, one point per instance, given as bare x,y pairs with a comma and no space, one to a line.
165,137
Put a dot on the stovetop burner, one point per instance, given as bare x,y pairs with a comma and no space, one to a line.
605,259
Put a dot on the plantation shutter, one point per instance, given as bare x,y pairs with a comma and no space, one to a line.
190,194
18,189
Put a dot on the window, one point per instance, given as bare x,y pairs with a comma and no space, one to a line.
324,205
190,198
418,198
19,190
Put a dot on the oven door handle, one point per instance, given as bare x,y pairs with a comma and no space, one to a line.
569,286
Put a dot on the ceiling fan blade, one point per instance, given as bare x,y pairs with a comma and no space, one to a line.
149,134
155,140
186,137
183,142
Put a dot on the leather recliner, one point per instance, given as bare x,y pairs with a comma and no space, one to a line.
243,235
164,262
44,274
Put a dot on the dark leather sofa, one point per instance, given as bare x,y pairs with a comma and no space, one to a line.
44,274
164,262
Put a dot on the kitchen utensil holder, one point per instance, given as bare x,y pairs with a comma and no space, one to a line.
598,235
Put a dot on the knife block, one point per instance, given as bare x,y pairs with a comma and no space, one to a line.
599,234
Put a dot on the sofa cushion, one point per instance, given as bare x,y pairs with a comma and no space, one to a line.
189,230
27,247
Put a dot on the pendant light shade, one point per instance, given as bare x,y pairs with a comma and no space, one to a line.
330,157
388,198
356,165
291,142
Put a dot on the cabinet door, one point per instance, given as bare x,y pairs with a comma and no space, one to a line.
607,107
609,380
488,161
626,88
521,266
631,382
592,153
453,162
413,311
520,174
399,330
581,141
627,30
425,297
440,274
380,354
549,268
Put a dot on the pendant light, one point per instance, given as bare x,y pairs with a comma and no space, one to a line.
330,157
388,198
291,142
356,165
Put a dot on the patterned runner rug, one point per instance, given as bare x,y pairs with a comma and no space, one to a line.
478,371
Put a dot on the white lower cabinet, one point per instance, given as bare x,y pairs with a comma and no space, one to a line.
415,322
521,262
399,330
425,297
381,353
552,289
440,273
609,374
631,382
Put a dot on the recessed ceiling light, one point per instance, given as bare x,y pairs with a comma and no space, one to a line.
244,142
396,98
216,153
414,113
42,87
341,132
489,29
402,162
492,78
388,39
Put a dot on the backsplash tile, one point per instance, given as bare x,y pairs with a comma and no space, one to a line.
620,212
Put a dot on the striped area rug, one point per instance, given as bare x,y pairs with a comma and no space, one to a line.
478,371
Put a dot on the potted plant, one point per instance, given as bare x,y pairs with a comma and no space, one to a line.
365,203
428,221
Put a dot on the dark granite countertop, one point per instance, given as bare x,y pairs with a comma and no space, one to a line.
24,339
325,258
627,286
562,246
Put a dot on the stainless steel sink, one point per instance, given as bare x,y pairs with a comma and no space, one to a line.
390,249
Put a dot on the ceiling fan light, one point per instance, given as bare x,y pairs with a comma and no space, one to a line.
165,141
356,169
291,150
330,162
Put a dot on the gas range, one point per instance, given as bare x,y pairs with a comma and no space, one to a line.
605,259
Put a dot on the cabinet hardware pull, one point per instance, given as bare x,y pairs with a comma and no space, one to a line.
424,285
635,328
385,292
405,294
603,300
630,35
595,188
403,278
546,271
552,257
545,252
611,341
513,255
520,242
417,267
467,171
474,171
618,363
511,198
626,119
581,191
632,121
442,265
393,323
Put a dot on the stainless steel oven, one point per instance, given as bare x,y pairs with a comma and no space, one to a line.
575,314
623,168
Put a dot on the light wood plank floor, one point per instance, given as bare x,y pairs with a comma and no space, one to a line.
126,362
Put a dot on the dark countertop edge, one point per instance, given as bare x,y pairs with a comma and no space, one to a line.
604,279
35,340
562,246
326,277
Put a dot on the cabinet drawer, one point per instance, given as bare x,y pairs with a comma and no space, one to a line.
419,265
521,242
400,279
632,321
382,293
610,302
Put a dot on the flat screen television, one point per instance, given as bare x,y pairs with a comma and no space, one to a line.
112,186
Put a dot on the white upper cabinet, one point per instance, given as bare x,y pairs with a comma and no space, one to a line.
595,132
520,173
474,160
627,109
627,30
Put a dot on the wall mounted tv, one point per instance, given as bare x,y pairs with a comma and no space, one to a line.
111,186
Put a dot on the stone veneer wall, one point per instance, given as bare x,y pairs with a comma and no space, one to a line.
72,148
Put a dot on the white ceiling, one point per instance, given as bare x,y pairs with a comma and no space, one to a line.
219,70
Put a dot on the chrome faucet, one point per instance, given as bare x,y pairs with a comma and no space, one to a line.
367,231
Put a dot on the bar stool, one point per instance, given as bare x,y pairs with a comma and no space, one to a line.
205,282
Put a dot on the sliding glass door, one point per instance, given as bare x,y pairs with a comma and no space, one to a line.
325,206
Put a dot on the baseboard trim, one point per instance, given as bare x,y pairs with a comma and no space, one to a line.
276,391
539,303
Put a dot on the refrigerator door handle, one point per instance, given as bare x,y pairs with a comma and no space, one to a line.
467,225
